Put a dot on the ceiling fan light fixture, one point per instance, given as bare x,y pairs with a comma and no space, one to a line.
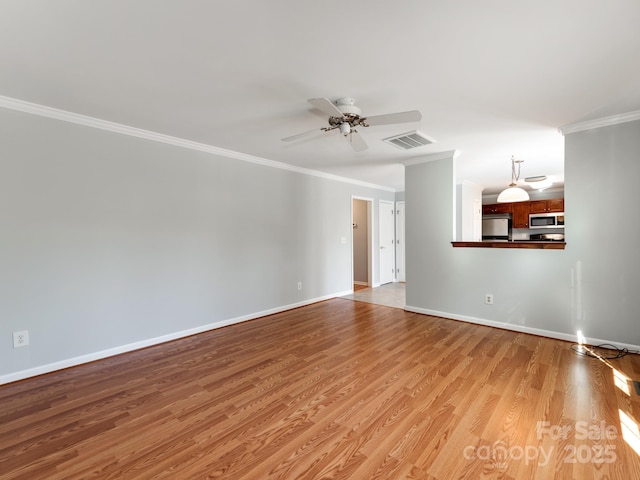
513,193
346,117
348,107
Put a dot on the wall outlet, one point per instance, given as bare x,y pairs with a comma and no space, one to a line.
488,298
299,285
20,339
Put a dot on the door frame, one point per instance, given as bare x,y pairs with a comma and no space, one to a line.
370,256
391,203
401,259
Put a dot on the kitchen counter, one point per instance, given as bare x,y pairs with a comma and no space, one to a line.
545,245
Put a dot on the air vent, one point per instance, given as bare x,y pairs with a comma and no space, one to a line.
409,140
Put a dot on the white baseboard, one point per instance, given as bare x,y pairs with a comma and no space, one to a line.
72,362
520,328
110,352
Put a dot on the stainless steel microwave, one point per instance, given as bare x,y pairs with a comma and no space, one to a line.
546,220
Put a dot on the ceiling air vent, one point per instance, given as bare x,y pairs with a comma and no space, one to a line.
409,140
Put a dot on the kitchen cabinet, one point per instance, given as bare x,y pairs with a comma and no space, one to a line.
547,206
520,217
556,205
493,208
520,210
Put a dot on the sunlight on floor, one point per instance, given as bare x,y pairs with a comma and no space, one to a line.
621,381
630,431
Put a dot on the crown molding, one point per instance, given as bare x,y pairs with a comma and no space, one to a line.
600,122
78,119
432,157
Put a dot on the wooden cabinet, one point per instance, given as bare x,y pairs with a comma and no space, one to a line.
492,208
520,210
520,217
556,205
547,206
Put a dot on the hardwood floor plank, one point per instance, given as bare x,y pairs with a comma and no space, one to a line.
337,389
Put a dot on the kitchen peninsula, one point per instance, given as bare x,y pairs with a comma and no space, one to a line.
546,245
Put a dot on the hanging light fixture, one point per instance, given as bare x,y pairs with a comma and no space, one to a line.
513,193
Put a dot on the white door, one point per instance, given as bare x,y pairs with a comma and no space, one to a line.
400,272
387,241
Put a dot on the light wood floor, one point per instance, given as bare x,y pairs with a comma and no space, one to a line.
339,389
390,294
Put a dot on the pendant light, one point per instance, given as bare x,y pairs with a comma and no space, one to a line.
513,193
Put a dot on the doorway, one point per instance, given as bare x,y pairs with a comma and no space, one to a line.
362,240
392,294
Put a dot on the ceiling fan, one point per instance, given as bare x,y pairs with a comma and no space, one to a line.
345,117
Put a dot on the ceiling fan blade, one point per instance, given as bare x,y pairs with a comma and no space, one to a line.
326,106
400,117
356,141
302,135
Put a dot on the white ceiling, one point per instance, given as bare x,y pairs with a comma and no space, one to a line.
492,79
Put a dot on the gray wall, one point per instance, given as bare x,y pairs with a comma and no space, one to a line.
591,286
601,198
110,242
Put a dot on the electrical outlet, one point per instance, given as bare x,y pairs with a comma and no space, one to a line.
20,339
299,285
488,298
